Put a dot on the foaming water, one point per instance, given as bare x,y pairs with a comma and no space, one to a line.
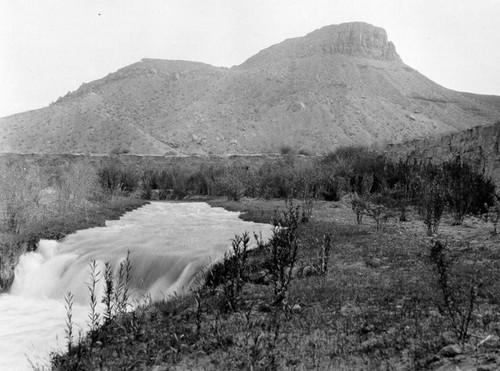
169,244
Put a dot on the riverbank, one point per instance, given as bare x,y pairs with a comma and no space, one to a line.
379,305
12,245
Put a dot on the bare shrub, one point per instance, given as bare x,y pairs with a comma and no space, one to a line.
283,249
432,203
229,274
324,255
358,207
459,297
235,266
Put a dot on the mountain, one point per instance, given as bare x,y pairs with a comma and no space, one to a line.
339,85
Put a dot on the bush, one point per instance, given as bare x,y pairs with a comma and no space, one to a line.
20,197
432,203
286,150
467,190
231,182
230,273
79,185
459,294
283,249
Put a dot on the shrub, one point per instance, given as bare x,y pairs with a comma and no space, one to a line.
358,207
459,297
432,202
235,266
286,150
283,249
79,185
230,273
120,150
375,211
467,190
231,182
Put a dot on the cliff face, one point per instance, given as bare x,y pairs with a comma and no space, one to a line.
479,146
354,39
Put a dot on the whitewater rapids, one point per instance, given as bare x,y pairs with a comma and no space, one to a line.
169,244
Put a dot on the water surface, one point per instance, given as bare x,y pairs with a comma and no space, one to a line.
169,244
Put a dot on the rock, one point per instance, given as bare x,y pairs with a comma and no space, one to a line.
451,351
286,271
349,309
490,341
296,308
374,262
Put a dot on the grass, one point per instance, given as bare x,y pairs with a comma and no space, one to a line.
378,306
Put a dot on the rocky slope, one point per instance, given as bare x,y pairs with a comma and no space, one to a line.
339,85
479,146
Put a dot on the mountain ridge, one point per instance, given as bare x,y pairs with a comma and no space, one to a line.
339,85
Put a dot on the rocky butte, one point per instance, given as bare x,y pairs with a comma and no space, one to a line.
339,85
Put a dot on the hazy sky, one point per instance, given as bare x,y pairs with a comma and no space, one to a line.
49,47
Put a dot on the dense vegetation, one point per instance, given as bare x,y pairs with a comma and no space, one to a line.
347,170
50,202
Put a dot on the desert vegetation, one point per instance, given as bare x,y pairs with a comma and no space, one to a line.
386,299
372,265
49,202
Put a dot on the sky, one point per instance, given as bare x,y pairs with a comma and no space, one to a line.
50,47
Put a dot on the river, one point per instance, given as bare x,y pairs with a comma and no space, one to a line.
169,244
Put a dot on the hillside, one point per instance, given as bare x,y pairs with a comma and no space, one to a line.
339,85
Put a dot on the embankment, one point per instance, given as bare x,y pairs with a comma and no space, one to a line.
479,146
